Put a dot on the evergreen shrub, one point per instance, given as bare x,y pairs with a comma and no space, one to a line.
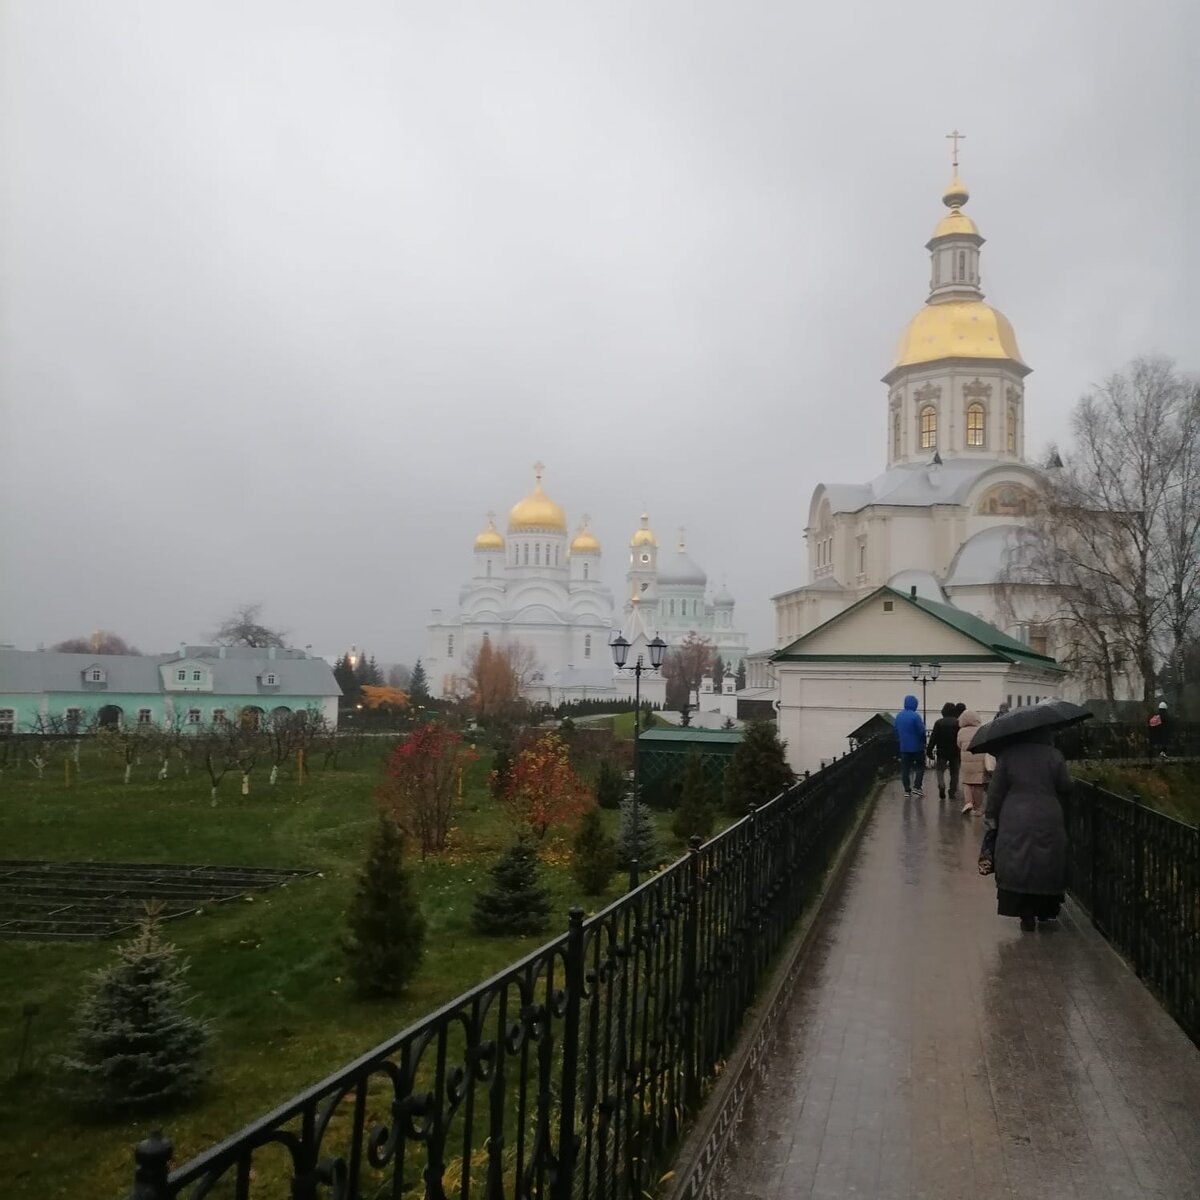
517,902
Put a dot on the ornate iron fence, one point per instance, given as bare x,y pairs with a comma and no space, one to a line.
1094,740
571,1073
1137,873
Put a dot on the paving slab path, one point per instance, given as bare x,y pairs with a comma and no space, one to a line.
932,1049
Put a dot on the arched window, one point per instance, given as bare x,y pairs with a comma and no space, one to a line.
537,554
896,433
976,425
927,427
671,607
1012,429
450,645
526,554
962,264
585,570
489,568
587,645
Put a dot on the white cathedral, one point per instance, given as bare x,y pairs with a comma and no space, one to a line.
950,511
546,591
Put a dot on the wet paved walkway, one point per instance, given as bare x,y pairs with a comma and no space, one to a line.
932,1049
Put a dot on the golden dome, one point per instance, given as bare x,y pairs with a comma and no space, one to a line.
645,535
955,222
957,329
585,541
537,510
956,195
490,538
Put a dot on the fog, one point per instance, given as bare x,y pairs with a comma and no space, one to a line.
294,293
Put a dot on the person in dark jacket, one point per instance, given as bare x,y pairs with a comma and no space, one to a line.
1158,730
1024,809
943,749
910,732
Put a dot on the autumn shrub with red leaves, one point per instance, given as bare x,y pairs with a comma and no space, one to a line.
542,789
420,785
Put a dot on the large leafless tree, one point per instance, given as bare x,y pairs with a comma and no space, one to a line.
243,628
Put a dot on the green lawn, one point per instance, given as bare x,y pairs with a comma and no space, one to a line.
1172,788
267,971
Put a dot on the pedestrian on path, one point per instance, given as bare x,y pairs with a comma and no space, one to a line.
943,749
974,768
910,733
1025,818
1159,728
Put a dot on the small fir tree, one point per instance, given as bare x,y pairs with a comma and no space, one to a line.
696,812
595,857
517,902
758,770
739,680
637,837
135,1045
387,928
610,784
418,685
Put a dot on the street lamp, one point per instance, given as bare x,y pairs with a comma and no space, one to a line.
924,675
620,653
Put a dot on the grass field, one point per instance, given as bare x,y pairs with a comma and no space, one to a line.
267,972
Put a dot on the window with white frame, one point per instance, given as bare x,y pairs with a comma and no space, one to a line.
145,716
97,675
8,720
270,680
181,676
587,645
218,716
585,570
193,717
197,676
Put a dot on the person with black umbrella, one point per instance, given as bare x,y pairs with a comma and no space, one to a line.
1025,842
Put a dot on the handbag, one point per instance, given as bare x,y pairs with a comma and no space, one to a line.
987,853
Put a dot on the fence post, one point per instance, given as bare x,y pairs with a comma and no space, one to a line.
1093,814
691,980
152,1158
1139,884
568,1143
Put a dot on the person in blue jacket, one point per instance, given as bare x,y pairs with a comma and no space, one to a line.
910,731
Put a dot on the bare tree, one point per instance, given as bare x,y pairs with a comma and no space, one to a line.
101,642
243,628
1114,547
398,676
684,667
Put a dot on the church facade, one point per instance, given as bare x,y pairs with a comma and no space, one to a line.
538,587
949,513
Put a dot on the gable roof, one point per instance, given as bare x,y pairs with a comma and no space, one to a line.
993,642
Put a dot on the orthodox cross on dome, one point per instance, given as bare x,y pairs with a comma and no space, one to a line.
955,137
491,517
587,520
682,537
538,470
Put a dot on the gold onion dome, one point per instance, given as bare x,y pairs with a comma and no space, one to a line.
490,538
537,510
584,541
955,221
645,535
957,329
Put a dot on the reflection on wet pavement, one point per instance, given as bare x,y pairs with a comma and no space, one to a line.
931,1049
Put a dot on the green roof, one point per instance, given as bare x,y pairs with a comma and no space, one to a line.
996,642
692,735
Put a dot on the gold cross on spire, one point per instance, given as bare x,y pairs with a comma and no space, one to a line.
492,517
955,137
587,520
682,536
538,468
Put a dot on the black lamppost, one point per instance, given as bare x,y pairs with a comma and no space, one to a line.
924,675
620,652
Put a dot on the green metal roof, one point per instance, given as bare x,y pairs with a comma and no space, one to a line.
995,641
725,736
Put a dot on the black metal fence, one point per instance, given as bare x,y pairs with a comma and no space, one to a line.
570,1075
1115,740
1137,873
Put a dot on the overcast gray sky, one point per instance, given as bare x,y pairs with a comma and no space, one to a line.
293,293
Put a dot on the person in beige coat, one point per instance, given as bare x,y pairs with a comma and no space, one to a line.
974,768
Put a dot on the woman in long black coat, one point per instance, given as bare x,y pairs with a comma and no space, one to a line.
1024,807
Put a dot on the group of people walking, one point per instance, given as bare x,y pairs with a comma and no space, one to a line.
947,747
1019,793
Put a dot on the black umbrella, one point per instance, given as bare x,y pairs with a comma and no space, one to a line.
1035,718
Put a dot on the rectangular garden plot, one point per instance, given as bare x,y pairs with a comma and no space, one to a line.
65,901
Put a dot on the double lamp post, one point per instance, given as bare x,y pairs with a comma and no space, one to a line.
620,653
924,674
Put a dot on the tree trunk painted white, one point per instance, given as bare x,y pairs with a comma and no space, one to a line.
40,764
162,771
274,774
213,793
245,785
128,771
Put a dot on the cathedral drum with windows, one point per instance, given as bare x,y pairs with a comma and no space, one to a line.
949,514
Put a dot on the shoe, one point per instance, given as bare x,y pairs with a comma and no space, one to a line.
908,795
917,792
941,793
968,807
1028,924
